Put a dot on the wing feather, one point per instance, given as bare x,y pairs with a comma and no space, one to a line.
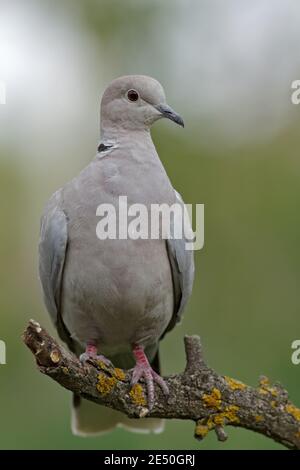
52,254
182,267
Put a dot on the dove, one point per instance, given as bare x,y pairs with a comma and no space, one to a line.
115,299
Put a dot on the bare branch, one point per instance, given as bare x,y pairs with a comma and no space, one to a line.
199,394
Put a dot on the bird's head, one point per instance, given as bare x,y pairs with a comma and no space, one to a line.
135,102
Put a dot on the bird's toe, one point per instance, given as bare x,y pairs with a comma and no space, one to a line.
149,376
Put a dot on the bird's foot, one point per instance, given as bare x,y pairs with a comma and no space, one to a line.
143,370
91,353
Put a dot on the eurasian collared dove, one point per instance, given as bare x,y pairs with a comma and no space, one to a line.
116,296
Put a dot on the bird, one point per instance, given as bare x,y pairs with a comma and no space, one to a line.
115,299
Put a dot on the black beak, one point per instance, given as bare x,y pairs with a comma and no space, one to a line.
167,112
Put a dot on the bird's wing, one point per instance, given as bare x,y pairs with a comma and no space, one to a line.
52,253
182,267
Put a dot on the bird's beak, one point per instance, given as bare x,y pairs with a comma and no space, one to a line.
167,112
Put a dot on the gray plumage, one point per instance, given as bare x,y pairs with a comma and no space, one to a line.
115,292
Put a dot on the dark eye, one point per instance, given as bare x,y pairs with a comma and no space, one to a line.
132,95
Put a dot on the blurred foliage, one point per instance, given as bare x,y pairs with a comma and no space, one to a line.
245,303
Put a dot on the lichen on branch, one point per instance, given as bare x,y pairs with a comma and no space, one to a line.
198,394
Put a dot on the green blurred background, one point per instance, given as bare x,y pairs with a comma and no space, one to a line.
227,67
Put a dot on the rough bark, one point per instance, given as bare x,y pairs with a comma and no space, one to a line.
199,394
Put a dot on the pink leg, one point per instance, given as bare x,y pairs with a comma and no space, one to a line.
91,353
144,370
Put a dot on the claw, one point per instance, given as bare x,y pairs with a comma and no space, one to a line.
91,353
143,370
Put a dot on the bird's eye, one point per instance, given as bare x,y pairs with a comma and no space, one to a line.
132,95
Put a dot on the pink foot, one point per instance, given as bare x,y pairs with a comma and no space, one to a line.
91,353
144,370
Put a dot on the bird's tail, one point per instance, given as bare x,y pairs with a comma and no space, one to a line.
88,418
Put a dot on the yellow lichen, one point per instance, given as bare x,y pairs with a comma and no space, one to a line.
264,382
137,395
211,422
258,418
225,417
274,403
105,384
119,374
65,370
103,365
230,414
292,410
266,390
218,419
201,430
213,400
234,384
265,387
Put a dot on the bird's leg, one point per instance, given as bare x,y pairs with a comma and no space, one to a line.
144,370
91,353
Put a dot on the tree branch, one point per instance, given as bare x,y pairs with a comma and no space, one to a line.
199,394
